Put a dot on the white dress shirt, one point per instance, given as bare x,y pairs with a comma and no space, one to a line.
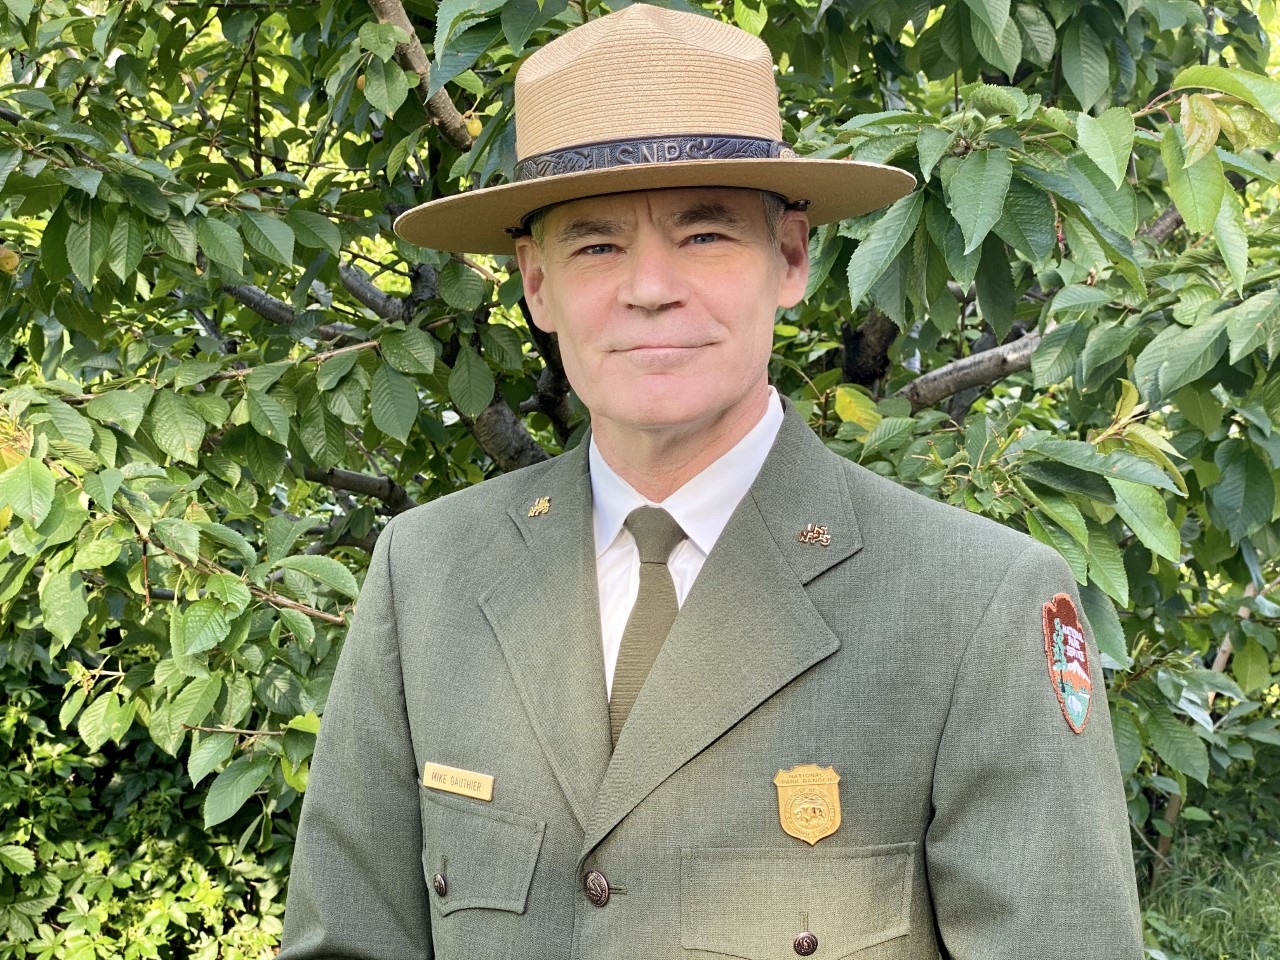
702,507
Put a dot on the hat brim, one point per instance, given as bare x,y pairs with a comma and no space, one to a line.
476,222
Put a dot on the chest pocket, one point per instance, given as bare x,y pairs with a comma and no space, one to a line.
483,856
753,903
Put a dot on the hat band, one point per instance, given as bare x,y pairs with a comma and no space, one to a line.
621,153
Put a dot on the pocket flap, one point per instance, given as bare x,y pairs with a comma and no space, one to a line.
753,902
486,855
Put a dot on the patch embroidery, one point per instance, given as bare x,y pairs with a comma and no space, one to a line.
1068,657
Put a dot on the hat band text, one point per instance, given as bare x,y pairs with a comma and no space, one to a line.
618,153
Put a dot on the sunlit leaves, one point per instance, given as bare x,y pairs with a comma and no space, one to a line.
885,241
976,194
1196,188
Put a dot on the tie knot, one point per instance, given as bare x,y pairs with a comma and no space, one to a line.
656,533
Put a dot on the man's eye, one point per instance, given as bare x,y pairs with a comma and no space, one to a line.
598,249
701,239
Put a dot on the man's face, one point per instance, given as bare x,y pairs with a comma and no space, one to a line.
664,302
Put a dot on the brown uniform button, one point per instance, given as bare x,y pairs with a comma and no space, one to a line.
806,944
441,886
597,886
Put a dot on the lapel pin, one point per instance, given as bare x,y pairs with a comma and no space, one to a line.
813,534
541,507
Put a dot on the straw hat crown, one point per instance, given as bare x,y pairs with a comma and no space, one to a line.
641,72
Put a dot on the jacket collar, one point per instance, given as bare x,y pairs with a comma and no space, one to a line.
746,629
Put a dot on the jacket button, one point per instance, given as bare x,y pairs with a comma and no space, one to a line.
441,887
597,887
806,944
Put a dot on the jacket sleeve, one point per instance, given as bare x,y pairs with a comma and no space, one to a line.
1028,851
356,889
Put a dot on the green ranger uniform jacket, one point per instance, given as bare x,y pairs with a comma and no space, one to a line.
899,642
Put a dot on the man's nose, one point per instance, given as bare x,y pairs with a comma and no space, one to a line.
653,281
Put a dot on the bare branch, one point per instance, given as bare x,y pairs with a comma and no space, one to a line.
411,55
552,395
10,116
358,284
385,489
971,371
261,302
1163,227
503,436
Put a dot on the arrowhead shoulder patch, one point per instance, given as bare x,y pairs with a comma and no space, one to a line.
1068,657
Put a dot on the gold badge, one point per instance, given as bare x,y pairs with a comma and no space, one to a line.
809,801
540,507
815,534
466,783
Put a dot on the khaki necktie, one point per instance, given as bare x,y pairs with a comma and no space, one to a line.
657,534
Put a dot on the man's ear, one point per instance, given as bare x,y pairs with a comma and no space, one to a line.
532,275
793,246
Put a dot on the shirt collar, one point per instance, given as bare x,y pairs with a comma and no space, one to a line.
704,504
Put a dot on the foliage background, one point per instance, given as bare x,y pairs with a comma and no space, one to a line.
220,373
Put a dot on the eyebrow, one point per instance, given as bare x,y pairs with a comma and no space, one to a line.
711,213
586,228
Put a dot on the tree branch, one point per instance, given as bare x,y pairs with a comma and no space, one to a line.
971,371
504,437
261,302
358,284
411,55
1162,227
551,397
10,116
385,489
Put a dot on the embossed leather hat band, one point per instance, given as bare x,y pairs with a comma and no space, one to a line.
643,99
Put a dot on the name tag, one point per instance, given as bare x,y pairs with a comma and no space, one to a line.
466,783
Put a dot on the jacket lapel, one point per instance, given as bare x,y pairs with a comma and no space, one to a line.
544,610
747,627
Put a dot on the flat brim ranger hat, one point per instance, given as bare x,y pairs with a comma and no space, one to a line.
646,99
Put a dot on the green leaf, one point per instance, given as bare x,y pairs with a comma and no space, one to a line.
232,539
333,369
232,788
1106,564
177,428
1231,239
1108,141
1108,634
1055,355
885,241
997,299
1260,91
1003,50
97,721
82,178
63,604
121,407
269,235
503,345
268,416
380,39
221,243
1027,222
1178,745
180,536
212,751
326,570
322,434
994,14
931,144
409,351
1085,63
205,625
394,403
471,383
1196,190
10,157
178,240
976,194
28,488
461,287
126,246
1144,510
1078,296
888,434
520,18
1251,666
17,860
1200,126
1245,494
1178,356
385,86
1251,323
88,242
71,708
192,704
1117,463
315,230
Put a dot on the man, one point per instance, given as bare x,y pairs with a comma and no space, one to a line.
699,687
